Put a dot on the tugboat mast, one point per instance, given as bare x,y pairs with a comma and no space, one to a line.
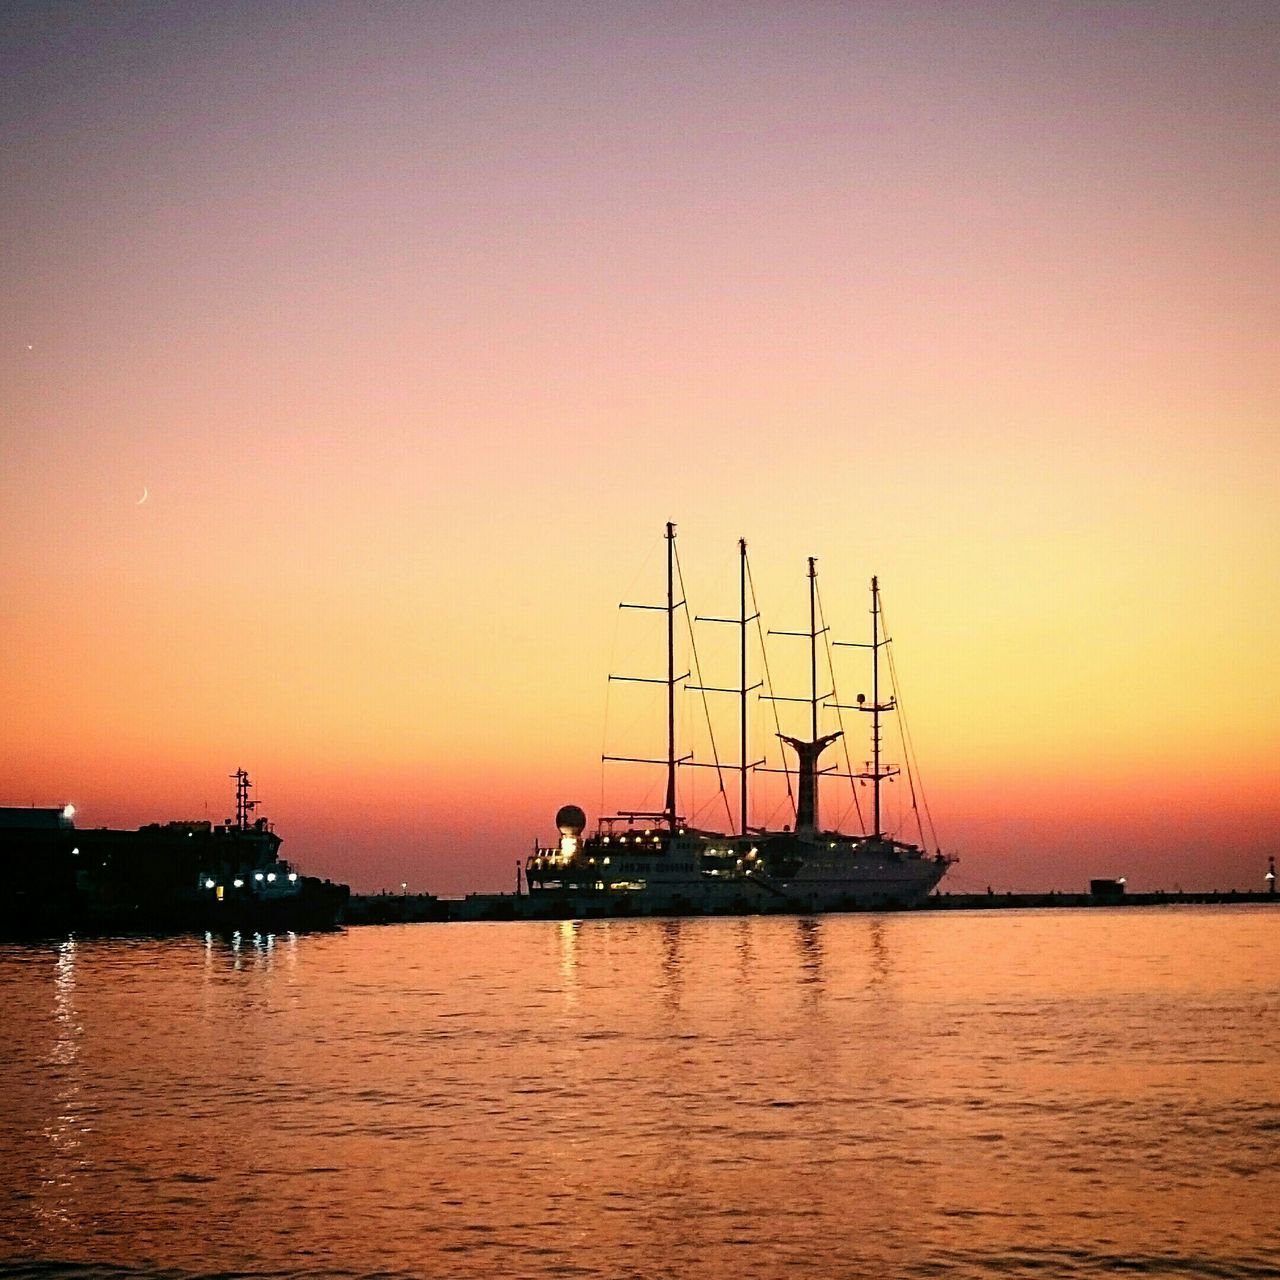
244,806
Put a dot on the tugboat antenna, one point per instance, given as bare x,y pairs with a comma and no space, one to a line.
244,806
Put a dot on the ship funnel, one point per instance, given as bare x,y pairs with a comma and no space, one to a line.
807,754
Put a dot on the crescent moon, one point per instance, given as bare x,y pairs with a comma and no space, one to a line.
142,499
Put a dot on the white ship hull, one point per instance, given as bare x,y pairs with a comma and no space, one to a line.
707,874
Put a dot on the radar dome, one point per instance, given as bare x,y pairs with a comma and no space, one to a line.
570,820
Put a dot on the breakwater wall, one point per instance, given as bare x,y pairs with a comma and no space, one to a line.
389,908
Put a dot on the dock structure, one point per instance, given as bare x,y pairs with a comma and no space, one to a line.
425,908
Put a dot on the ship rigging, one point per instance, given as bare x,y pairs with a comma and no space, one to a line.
669,860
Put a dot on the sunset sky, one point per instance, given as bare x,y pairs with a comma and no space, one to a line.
416,322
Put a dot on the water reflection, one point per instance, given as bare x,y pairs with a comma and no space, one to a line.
567,938
672,976
809,946
239,951
67,1039
879,974
809,949
65,1128
978,1096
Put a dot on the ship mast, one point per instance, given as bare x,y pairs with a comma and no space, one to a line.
807,753
875,699
813,649
669,810
877,772
744,689
669,814
742,669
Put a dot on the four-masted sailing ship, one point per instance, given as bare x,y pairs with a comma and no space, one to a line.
644,862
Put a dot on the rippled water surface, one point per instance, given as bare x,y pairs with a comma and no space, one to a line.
1056,1093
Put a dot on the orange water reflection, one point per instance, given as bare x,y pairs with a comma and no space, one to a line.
920,1094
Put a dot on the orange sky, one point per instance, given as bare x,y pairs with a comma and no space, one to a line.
417,324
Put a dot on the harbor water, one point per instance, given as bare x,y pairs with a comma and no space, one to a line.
1034,1093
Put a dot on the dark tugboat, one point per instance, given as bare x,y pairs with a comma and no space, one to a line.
167,877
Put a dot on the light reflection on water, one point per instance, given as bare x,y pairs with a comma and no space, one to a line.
63,1130
960,1094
